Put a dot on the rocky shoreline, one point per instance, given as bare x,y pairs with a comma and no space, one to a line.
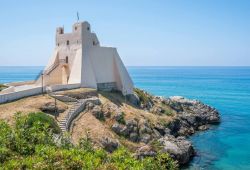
190,116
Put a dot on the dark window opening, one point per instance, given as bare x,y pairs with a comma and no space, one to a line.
67,42
88,28
67,59
75,28
93,42
58,44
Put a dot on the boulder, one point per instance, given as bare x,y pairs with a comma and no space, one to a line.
133,137
50,108
134,99
110,144
160,129
145,138
203,127
119,116
145,151
89,105
117,128
97,112
120,129
144,127
179,148
107,114
132,125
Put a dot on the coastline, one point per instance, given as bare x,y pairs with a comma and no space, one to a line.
225,88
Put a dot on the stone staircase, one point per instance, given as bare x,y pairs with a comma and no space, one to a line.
78,107
65,122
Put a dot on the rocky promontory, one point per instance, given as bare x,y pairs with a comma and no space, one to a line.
143,123
163,126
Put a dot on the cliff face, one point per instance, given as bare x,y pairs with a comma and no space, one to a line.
144,123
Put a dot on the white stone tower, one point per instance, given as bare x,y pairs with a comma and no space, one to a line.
79,58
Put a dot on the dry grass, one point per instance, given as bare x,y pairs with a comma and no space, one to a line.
87,123
113,103
25,105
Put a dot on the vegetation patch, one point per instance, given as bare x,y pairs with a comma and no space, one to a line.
120,119
155,144
144,97
44,119
167,110
2,86
30,145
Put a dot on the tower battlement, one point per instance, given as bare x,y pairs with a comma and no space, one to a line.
79,31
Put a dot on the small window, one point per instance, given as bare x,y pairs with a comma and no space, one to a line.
67,59
67,42
93,42
75,28
58,44
88,28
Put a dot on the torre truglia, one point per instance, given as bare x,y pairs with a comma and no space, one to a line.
79,58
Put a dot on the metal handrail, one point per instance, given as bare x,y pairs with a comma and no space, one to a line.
51,68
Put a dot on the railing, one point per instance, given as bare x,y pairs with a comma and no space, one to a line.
51,68
76,109
39,75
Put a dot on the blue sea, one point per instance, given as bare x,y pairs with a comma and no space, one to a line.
226,146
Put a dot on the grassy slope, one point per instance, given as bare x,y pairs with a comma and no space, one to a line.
86,122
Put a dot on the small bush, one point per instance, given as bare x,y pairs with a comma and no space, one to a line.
144,98
121,119
43,118
2,86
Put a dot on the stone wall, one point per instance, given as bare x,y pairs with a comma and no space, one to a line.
109,86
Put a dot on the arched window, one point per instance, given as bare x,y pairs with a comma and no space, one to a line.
67,59
67,42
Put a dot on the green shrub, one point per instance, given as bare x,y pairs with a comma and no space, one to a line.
144,98
2,86
121,119
43,118
29,145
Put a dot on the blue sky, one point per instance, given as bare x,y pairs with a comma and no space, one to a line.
146,32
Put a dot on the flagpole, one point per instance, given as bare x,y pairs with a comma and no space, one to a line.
77,14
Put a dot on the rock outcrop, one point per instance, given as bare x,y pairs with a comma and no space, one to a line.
179,148
110,144
192,115
51,108
173,120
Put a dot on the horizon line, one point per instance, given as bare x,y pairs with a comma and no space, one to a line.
143,65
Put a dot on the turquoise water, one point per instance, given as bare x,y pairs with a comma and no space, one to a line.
226,146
